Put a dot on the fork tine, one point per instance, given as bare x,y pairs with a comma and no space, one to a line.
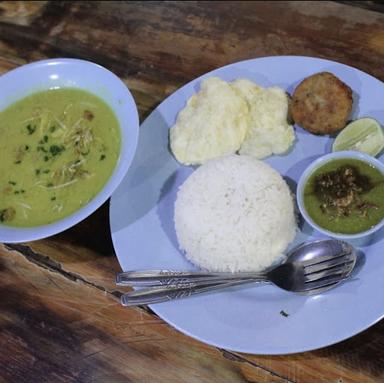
338,270
325,258
321,283
314,268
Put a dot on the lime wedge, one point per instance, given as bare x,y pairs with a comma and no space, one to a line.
363,135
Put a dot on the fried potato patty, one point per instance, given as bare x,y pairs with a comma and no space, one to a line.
322,103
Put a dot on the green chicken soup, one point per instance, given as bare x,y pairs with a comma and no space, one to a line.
58,148
345,196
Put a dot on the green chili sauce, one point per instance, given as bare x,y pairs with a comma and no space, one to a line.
345,196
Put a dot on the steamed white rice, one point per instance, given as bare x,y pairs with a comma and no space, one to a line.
234,213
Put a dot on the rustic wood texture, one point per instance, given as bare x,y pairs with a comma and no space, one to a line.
60,320
54,328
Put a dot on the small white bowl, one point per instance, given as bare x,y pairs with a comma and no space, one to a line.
85,75
312,168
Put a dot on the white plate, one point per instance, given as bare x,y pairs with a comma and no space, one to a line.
246,320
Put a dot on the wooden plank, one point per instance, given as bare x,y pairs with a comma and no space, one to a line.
371,5
360,359
158,43
21,12
56,329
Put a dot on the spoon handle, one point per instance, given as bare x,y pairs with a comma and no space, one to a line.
172,277
183,290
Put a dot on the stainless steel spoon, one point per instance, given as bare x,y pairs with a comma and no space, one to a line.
309,269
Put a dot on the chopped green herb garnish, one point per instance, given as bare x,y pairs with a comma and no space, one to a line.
102,157
56,149
16,192
12,183
49,185
31,129
46,171
45,138
52,129
85,153
46,158
284,314
22,191
37,171
53,198
26,147
42,149
17,162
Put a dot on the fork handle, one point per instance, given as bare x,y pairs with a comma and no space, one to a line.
181,290
171,277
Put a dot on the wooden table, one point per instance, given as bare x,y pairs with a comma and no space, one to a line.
60,317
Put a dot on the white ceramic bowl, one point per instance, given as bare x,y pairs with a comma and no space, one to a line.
47,74
320,162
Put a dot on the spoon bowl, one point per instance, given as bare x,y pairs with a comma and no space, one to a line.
315,267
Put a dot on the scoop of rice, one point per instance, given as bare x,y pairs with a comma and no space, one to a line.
234,213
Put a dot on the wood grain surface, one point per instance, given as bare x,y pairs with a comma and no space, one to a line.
60,319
